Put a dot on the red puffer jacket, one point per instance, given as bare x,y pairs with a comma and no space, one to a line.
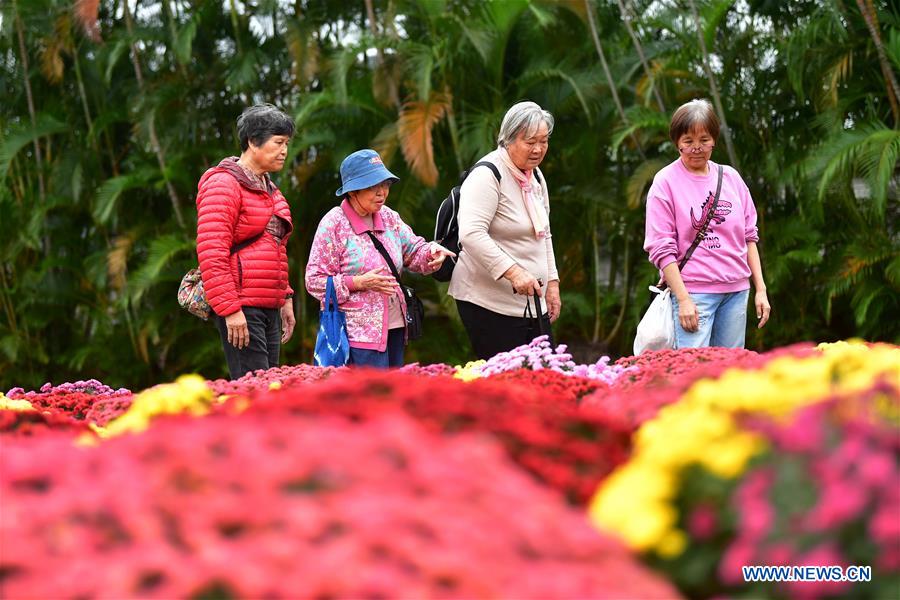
231,208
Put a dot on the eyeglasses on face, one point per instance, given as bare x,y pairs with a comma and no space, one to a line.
696,148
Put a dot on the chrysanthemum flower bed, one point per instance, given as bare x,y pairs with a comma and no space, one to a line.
462,481
268,504
794,462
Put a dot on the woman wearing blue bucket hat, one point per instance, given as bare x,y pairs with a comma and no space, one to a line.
344,248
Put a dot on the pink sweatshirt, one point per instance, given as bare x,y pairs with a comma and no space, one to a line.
676,209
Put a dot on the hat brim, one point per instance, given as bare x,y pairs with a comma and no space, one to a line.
362,182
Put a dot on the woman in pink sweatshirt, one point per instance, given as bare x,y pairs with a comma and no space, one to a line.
710,294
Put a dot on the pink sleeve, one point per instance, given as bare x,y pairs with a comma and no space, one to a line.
325,260
660,236
751,232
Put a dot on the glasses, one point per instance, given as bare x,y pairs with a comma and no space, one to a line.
696,148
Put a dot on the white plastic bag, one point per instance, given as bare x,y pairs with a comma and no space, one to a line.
656,330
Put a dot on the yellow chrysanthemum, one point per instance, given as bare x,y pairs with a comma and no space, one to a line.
189,394
11,404
636,501
470,371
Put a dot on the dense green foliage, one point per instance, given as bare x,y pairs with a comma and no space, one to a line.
102,142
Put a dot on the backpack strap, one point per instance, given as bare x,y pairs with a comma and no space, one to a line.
481,163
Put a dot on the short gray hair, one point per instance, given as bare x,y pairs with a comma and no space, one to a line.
523,117
260,122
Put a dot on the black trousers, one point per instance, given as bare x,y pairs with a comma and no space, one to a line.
262,352
491,333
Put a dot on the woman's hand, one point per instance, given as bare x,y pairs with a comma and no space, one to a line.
522,281
439,254
376,282
238,332
287,320
763,309
688,315
554,304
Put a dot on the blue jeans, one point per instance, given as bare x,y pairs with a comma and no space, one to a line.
723,321
391,357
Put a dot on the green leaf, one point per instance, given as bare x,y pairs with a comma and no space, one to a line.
642,178
159,256
110,190
184,41
9,345
113,57
25,134
534,76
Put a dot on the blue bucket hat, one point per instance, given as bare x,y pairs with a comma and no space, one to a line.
362,169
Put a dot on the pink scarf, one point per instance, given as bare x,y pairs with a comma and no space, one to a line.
531,195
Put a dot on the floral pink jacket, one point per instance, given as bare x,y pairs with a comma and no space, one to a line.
342,248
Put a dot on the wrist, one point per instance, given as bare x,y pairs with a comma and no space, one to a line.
511,272
760,289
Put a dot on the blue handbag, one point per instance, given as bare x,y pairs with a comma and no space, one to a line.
332,344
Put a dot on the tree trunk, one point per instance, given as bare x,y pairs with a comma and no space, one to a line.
867,9
626,18
626,296
30,99
589,9
714,89
154,139
173,34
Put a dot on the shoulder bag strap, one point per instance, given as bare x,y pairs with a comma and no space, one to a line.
247,242
387,257
703,229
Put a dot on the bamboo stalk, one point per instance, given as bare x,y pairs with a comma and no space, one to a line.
154,139
29,97
870,16
589,9
626,18
714,89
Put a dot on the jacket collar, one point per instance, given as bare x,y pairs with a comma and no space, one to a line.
231,165
359,226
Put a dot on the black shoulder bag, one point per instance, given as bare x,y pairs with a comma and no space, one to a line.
415,312
702,232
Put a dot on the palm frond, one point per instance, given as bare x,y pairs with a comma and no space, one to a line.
159,256
185,40
23,135
415,125
110,190
534,76
641,119
642,178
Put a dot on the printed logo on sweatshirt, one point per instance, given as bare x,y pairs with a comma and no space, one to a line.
723,209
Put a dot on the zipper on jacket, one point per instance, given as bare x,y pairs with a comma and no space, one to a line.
240,275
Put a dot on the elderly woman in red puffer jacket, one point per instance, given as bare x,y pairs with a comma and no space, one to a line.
242,230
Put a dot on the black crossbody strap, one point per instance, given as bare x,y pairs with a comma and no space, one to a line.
703,229
247,242
387,257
